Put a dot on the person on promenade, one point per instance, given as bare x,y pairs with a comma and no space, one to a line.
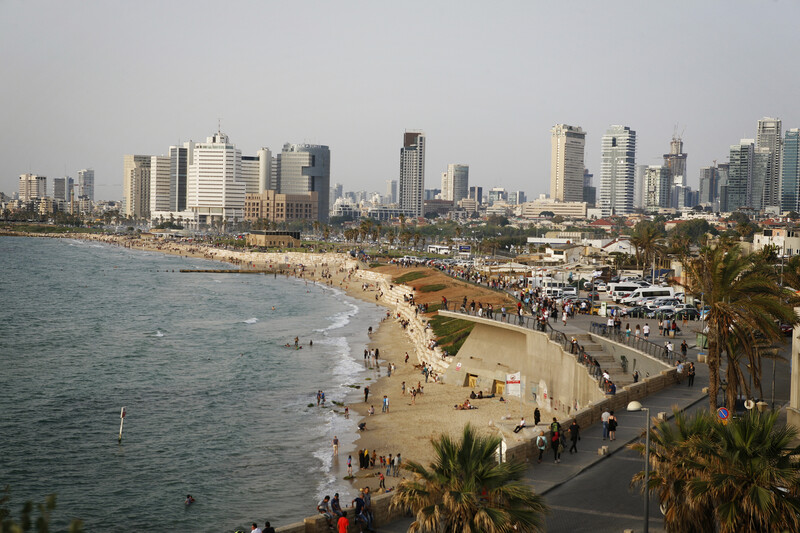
637,332
646,330
612,426
684,349
537,417
361,516
520,426
574,436
541,444
661,328
690,375
558,447
335,445
343,524
336,507
382,481
268,528
604,418
255,529
324,509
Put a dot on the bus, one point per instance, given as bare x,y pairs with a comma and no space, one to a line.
649,292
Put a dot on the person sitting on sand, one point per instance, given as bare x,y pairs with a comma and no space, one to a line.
480,395
472,395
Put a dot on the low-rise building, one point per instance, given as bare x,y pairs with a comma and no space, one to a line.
787,240
277,207
272,239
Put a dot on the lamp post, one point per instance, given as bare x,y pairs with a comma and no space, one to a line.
636,406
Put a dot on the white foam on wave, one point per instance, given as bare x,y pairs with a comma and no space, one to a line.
341,319
251,320
346,363
158,333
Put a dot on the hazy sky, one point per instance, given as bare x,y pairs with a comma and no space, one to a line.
84,82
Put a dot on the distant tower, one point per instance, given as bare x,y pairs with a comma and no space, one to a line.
214,184
768,138
32,186
658,188
136,185
304,168
411,185
391,191
675,161
618,167
790,171
86,183
740,175
567,144
455,183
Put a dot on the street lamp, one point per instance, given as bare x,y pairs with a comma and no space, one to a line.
636,406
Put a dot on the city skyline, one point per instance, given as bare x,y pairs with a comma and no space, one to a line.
110,89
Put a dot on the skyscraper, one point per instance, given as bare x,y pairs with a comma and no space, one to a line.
86,183
136,185
618,166
214,184
179,159
60,190
760,179
709,178
304,168
658,188
567,145
159,183
391,191
589,190
675,161
790,171
411,185
455,182
768,137
32,186
740,174
476,193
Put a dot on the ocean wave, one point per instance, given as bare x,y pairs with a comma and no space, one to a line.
158,333
341,319
250,320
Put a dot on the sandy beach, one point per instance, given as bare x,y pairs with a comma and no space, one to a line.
406,429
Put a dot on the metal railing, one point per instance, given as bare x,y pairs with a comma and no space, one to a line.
637,343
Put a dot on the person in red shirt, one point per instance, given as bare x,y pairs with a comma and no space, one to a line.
343,524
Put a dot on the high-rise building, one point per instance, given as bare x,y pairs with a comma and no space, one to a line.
497,194
517,197
768,138
160,183
32,186
306,168
658,188
760,178
411,185
589,190
790,171
618,167
179,159
256,171
675,162
476,193
86,184
567,145
136,185
740,175
455,182
709,178
337,191
60,190
391,191
214,184
723,170
639,187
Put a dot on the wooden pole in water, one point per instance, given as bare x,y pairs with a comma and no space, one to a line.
121,422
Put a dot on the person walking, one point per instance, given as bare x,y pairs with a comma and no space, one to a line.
555,443
690,375
604,418
541,444
537,417
684,349
612,426
574,436
335,446
366,394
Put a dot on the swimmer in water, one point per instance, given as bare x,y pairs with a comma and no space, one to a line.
296,340
273,307
311,343
189,499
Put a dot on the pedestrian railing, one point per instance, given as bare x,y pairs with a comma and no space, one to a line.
629,339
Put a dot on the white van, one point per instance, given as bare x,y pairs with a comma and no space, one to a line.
649,292
553,292
618,291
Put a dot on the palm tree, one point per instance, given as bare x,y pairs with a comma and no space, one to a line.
466,489
646,239
416,238
745,301
736,477
402,222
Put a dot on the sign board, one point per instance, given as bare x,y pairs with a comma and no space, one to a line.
723,414
513,384
465,248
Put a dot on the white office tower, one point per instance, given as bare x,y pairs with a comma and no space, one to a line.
411,185
256,171
617,171
639,187
768,137
658,187
567,145
215,188
32,186
391,191
160,183
136,185
86,183
455,183
304,168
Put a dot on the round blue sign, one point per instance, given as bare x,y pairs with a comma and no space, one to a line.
723,413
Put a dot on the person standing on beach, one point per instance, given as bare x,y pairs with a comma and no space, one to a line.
385,405
406,357
346,413
413,396
335,445
389,464
366,393
349,465
403,388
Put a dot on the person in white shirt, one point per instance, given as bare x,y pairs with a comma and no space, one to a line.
646,330
520,426
255,529
604,417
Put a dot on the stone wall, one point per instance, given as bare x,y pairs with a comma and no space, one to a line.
381,512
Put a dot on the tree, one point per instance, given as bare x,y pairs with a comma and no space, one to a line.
8,525
737,477
646,239
745,302
466,489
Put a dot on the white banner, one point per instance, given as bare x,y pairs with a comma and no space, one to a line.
513,384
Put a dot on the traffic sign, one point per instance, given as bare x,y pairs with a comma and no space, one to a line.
723,414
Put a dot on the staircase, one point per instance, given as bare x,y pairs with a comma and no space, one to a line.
606,360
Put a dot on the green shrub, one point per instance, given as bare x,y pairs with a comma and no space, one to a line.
433,288
411,276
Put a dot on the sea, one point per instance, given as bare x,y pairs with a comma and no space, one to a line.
216,405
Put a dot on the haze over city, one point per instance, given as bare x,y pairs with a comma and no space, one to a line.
85,83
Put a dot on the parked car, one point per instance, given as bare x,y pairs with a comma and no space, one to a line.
787,329
659,313
601,286
689,313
